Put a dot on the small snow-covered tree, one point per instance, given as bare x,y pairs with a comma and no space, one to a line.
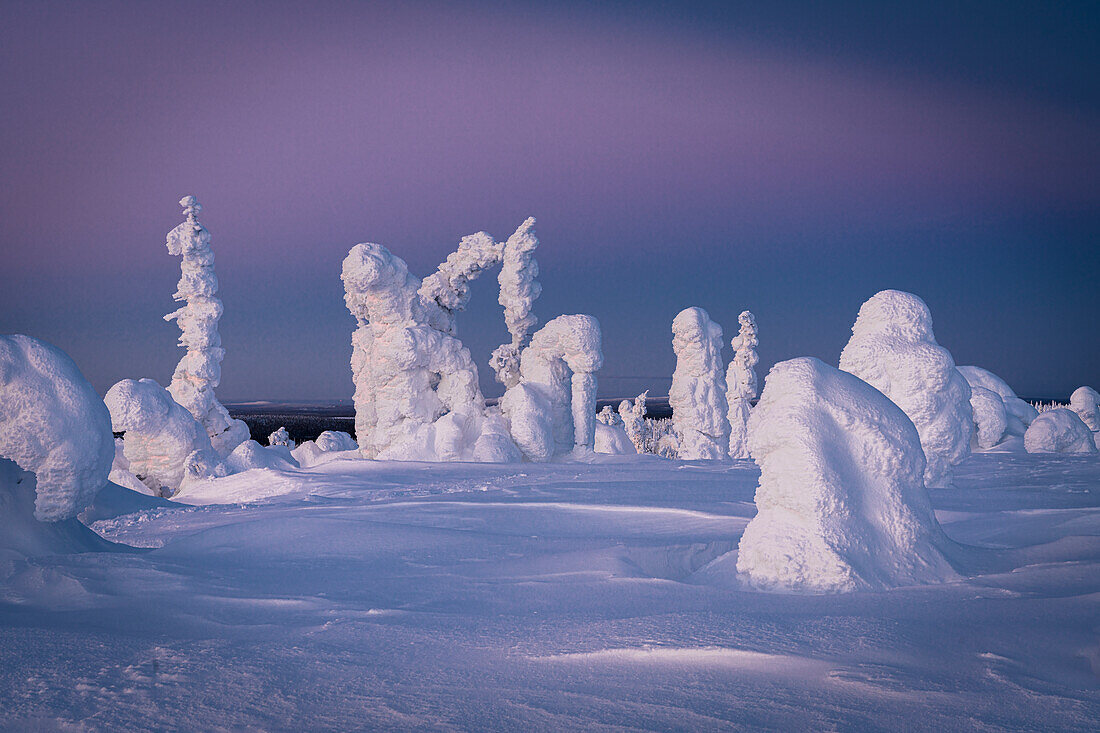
894,349
632,413
280,437
698,393
741,384
199,371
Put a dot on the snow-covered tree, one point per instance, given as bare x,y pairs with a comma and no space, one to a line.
698,394
518,292
281,437
741,384
552,410
632,413
1018,414
199,371
1085,401
837,509
894,349
1059,431
990,418
52,425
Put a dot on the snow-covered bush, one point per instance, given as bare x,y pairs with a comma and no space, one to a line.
632,413
990,418
1019,414
841,503
741,384
661,437
281,437
54,425
1086,403
894,349
1059,431
158,435
200,371
552,410
698,394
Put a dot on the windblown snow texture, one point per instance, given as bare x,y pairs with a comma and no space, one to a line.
53,424
841,503
741,384
199,371
698,393
894,349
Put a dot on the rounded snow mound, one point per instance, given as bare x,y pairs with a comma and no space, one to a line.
53,424
613,440
894,349
335,440
841,503
1059,431
1019,413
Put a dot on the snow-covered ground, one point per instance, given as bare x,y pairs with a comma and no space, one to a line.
364,594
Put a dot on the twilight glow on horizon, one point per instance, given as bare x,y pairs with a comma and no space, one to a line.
789,161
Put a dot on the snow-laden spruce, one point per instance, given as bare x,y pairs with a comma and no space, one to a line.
698,393
841,503
990,418
281,437
199,371
158,436
518,292
52,425
741,384
1085,401
552,410
632,413
1059,431
1018,413
894,349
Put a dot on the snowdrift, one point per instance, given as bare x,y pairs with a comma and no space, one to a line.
841,504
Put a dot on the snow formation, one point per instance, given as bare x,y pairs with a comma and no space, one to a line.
552,410
54,425
1086,403
632,413
741,384
841,503
518,292
281,437
159,435
894,349
990,418
1059,431
335,440
698,393
1018,413
250,454
199,371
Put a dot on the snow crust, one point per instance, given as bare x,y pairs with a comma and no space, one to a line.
698,393
990,418
552,410
199,371
1085,401
841,503
741,384
894,349
159,435
1019,413
1059,431
54,425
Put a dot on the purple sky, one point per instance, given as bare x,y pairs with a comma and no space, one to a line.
724,156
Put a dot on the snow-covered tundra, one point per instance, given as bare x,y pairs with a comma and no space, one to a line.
894,349
841,503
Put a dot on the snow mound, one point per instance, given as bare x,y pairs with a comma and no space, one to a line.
53,424
613,440
159,435
1086,403
460,435
741,384
894,349
698,393
1018,412
335,440
990,418
1059,431
250,454
841,503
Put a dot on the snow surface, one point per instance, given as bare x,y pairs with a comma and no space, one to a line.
1059,431
551,596
894,349
54,425
841,503
698,393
